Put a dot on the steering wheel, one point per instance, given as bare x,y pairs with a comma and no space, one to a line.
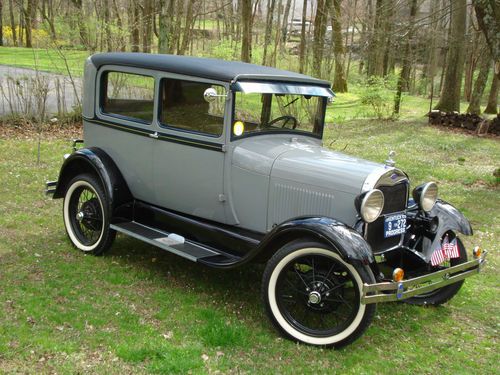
287,118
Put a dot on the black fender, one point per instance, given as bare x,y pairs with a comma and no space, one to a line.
449,219
350,245
94,160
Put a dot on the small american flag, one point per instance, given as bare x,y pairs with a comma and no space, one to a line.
447,250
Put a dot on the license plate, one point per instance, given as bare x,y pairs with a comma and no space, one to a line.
394,225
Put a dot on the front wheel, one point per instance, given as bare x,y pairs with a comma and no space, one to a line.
313,296
86,217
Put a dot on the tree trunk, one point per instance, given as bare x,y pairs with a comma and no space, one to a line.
477,92
119,23
188,27
12,22
319,36
147,26
388,61
246,35
376,47
107,30
28,23
269,29
488,17
134,28
450,94
165,26
302,48
284,27
471,63
492,106
339,79
277,38
1,22
405,71
351,23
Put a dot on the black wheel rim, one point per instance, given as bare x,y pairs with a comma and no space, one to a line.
317,295
86,216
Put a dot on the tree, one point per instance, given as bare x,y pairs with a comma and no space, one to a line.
339,79
1,23
488,17
269,28
477,92
452,84
246,35
319,36
134,25
302,47
147,26
165,26
492,106
404,74
378,39
12,22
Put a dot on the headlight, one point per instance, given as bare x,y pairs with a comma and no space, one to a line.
426,195
370,205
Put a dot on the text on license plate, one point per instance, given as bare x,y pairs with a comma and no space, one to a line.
394,225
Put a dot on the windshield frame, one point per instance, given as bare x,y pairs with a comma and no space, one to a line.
282,131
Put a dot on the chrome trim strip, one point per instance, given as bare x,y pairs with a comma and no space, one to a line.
400,290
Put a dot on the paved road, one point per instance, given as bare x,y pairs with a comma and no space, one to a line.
18,91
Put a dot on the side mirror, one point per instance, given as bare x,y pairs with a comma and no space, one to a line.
210,95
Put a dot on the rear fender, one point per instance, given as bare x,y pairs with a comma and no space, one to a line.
96,161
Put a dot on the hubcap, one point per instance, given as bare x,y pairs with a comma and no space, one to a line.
314,297
80,215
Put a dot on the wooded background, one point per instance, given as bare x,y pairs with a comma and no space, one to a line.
436,48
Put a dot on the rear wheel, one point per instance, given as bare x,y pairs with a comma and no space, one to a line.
442,295
313,296
86,217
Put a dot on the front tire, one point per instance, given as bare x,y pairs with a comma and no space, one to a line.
313,296
86,216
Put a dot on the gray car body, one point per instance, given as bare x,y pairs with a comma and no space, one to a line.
256,183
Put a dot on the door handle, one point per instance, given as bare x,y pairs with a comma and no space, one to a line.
154,135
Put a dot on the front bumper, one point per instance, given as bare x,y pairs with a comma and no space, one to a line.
398,291
50,188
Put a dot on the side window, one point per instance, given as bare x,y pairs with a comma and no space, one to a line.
128,95
183,107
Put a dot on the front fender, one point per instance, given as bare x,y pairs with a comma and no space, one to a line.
449,219
345,240
96,161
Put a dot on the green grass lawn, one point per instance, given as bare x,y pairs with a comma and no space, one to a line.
139,309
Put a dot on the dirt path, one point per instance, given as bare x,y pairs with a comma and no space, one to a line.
20,92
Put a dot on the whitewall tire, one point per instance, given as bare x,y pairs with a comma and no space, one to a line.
313,296
86,217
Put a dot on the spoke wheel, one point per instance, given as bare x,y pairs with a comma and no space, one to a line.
85,215
312,295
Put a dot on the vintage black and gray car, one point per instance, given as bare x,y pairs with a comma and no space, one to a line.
222,163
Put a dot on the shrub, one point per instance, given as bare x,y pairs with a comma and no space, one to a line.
378,96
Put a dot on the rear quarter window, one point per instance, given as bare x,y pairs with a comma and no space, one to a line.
128,95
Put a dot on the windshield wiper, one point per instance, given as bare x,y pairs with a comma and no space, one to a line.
293,101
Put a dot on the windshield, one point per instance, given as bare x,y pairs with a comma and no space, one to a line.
267,113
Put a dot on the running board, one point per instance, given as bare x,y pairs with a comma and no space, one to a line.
172,242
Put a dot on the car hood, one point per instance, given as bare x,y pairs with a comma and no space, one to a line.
306,162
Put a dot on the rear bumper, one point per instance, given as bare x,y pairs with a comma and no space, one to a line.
50,188
397,291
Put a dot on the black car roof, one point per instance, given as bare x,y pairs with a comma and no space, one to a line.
220,70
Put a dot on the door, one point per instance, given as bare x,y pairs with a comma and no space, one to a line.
188,167
124,124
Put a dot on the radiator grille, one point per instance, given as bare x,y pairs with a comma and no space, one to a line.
395,201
